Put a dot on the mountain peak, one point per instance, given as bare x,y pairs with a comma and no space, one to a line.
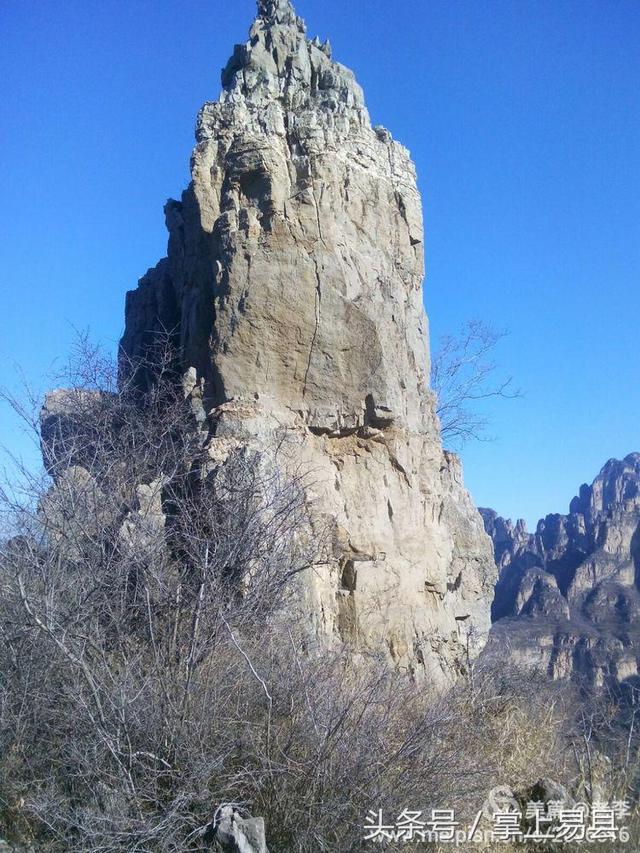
299,237
277,11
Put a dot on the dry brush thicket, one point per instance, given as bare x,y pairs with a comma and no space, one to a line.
154,664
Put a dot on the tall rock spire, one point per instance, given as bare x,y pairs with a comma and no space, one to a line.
277,11
294,278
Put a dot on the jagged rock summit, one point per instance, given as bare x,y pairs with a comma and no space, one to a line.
277,12
303,222
568,596
293,287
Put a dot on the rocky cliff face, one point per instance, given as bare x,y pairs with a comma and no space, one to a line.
292,286
567,597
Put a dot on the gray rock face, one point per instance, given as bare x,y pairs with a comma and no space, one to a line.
63,412
296,257
235,834
578,577
292,287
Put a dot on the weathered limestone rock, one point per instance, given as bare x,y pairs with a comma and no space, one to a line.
65,412
142,531
237,834
73,511
292,287
578,578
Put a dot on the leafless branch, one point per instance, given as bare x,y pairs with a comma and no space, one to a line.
463,373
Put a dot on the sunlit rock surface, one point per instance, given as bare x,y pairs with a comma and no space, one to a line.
293,288
567,597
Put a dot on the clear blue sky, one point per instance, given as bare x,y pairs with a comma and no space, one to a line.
523,117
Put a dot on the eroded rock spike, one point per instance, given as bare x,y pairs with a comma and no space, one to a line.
277,11
294,277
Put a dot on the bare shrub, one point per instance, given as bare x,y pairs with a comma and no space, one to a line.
125,584
463,374
154,663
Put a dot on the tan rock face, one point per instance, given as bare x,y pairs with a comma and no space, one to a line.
293,284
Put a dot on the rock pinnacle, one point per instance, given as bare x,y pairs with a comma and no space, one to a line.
294,283
277,11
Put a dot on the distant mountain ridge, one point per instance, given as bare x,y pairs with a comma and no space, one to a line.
568,596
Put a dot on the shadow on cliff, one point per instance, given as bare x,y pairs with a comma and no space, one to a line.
175,303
